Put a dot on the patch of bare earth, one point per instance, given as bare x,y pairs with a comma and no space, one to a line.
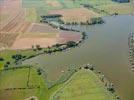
7,39
65,36
75,14
8,10
43,35
41,28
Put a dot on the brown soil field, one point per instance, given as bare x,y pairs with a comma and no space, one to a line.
46,37
27,43
53,3
65,36
41,28
75,14
7,39
17,24
8,10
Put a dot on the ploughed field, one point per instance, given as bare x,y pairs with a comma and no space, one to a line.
18,16
43,35
18,30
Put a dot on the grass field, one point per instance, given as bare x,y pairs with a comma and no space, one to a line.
31,14
7,55
84,85
18,78
13,85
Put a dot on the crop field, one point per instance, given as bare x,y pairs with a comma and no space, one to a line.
7,39
68,36
19,16
13,84
84,85
42,28
43,35
27,43
75,14
9,9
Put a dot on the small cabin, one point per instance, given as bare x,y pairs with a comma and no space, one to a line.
122,1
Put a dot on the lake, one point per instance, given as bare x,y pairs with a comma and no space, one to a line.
106,47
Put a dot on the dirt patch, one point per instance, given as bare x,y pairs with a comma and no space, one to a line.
10,8
41,28
27,43
53,3
75,14
17,24
7,39
65,36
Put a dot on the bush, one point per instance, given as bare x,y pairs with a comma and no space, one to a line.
71,44
18,57
1,59
39,71
97,20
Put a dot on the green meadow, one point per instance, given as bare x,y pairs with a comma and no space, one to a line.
83,85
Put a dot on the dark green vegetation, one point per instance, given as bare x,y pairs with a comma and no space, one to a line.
98,20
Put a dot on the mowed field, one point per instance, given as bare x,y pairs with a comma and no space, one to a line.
84,85
13,84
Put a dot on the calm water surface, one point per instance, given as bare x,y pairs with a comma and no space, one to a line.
106,47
